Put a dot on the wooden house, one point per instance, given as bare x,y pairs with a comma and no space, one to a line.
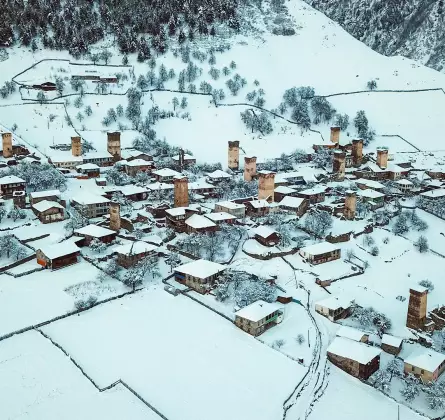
49,211
131,253
314,195
11,183
235,209
175,218
296,205
165,175
355,358
320,253
133,167
391,344
199,224
284,191
334,308
258,317
58,255
48,195
352,334
91,170
91,232
221,218
266,236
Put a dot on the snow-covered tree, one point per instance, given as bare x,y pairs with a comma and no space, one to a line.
76,221
428,284
372,85
322,158
41,98
381,380
16,213
60,85
411,388
2,213
318,222
400,226
322,109
98,246
173,260
342,121
394,368
422,244
300,114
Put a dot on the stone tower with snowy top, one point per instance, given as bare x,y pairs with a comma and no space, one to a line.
7,144
115,216
335,134
114,145
350,205
181,191
382,158
249,168
233,161
76,146
266,185
357,152
339,165
417,307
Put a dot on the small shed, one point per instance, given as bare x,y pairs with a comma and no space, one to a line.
91,232
91,170
266,236
58,255
333,308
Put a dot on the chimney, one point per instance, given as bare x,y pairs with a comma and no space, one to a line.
115,216
357,152
76,146
7,145
181,192
249,168
234,155
382,158
266,186
339,165
335,134
114,145
350,205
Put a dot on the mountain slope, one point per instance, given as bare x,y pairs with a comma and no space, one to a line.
413,28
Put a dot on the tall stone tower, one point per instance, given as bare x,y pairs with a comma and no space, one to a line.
249,168
234,155
115,216
350,205
335,134
114,145
19,199
382,158
339,165
181,192
417,307
76,146
7,144
266,185
357,152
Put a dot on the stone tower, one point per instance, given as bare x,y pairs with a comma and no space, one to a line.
114,145
115,216
7,145
266,185
19,199
234,155
76,146
357,152
249,168
382,158
181,192
335,134
417,308
350,205
339,165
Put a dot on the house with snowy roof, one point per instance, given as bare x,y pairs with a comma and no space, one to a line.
132,154
426,364
235,209
165,175
91,170
58,255
131,253
296,205
175,217
49,195
10,184
133,167
92,232
258,317
320,253
333,308
354,357
353,334
200,275
391,344
91,205
48,211
266,236
218,176
221,217
200,224
313,195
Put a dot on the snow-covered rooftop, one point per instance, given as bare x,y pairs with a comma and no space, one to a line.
218,174
86,198
138,162
282,189
94,231
293,202
404,182
320,248
264,231
334,303
370,193
46,205
47,193
10,179
177,211
351,333
186,157
201,268
313,191
129,153
59,250
220,216
390,340
370,183
231,205
353,350
97,154
87,166
258,310
135,248
196,221
434,193
259,204
426,359
166,172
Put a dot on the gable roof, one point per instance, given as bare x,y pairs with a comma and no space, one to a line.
258,310
45,205
353,350
201,268
60,250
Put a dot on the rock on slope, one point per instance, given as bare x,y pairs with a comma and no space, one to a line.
413,28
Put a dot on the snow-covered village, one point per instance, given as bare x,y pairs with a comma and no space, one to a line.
217,210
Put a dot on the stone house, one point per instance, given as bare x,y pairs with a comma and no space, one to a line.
334,308
355,358
200,275
426,364
49,195
91,205
49,211
133,167
58,255
257,208
91,170
283,191
266,236
165,175
352,334
98,158
131,253
133,154
235,209
91,232
258,317
199,224
175,218
218,176
314,195
221,218
391,344
296,205
372,197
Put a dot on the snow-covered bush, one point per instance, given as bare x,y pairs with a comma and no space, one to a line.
369,317
411,388
422,244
